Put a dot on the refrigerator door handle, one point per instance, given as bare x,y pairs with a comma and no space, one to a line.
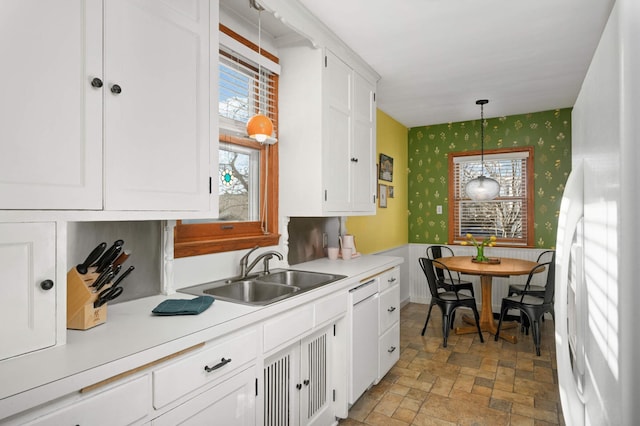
570,349
581,318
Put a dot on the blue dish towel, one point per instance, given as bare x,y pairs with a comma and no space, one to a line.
184,306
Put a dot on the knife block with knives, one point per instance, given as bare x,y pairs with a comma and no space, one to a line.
81,313
86,298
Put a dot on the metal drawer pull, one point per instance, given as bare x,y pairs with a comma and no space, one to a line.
391,349
392,279
391,309
306,382
222,363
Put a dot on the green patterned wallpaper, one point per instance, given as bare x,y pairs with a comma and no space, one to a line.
429,146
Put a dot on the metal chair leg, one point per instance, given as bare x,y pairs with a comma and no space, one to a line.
427,321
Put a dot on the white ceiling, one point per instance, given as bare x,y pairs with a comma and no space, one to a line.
437,57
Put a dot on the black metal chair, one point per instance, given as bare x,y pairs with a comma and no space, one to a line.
533,290
454,282
533,307
448,301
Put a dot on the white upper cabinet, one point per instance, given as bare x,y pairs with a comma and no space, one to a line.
50,116
107,106
156,127
327,135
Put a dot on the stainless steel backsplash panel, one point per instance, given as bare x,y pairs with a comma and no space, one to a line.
306,237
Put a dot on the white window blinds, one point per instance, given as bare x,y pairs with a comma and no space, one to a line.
245,89
506,215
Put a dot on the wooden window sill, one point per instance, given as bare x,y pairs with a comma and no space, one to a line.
196,248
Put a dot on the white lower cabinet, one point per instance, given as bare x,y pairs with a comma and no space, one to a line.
230,403
28,288
291,368
389,321
124,404
297,384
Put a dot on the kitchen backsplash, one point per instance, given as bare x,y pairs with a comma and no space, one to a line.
142,238
306,237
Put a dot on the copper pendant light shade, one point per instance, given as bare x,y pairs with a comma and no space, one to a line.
259,127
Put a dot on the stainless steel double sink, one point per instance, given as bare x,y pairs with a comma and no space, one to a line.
263,289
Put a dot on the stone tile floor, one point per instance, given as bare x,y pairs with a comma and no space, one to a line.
466,383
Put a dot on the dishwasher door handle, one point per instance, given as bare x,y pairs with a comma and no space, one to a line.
363,291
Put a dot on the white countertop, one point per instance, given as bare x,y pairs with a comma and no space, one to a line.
132,336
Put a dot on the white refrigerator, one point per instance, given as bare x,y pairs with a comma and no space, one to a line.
597,301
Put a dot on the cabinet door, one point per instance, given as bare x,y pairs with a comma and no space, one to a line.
315,398
27,309
157,123
363,179
230,403
337,124
297,384
50,115
280,388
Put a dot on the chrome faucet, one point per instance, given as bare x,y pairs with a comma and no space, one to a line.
266,256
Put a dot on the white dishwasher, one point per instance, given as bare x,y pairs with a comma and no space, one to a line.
364,338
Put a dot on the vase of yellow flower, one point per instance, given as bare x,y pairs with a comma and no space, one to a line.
487,242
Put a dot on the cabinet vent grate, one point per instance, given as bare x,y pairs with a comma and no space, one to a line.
277,377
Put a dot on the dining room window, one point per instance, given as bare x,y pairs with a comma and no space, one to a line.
247,173
509,216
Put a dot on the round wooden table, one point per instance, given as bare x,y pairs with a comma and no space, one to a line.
487,271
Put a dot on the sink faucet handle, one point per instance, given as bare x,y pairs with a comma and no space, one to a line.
244,261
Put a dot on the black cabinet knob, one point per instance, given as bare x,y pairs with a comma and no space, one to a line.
96,82
46,285
116,89
306,382
354,159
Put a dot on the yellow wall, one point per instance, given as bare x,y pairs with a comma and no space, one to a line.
389,227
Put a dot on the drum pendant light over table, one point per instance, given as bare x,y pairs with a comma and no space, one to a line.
482,188
259,127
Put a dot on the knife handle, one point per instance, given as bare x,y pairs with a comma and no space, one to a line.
122,258
108,261
108,277
83,267
101,277
109,252
123,276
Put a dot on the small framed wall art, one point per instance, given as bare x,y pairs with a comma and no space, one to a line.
390,191
385,170
382,195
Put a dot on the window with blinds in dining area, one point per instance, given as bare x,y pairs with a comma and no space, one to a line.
510,215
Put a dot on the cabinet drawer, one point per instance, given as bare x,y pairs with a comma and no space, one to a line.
389,308
190,373
121,405
232,402
389,279
331,307
389,347
287,326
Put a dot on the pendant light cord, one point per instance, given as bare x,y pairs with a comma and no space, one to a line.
259,60
265,211
482,139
